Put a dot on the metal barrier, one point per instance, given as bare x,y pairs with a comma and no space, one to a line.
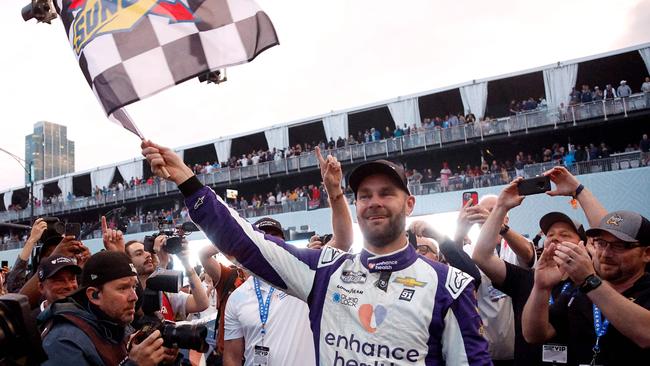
435,137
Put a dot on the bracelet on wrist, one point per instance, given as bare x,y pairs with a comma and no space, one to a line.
578,191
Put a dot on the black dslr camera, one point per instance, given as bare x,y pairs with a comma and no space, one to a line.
20,340
175,236
186,336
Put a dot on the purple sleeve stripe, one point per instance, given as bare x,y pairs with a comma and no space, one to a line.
466,312
234,236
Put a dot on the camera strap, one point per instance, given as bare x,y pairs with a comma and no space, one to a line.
110,353
228,288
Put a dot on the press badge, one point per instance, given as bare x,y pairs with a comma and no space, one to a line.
261,356
554,353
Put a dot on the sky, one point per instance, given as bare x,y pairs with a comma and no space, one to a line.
333,55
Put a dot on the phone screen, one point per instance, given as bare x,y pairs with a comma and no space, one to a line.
470,196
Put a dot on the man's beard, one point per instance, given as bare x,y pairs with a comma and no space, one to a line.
386,235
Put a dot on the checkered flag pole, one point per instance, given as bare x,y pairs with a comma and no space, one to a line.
131,49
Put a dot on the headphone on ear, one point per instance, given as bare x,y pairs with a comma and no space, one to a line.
95,295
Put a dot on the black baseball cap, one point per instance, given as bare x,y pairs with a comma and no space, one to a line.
53,264
385,167
267,224
106,266
551,218
627,226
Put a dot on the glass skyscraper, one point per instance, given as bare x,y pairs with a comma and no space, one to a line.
50,151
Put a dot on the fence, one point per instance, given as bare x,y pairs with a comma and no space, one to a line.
423,140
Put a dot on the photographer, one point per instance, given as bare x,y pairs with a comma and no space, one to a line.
57,279
67,247
175,305
17,277
89,326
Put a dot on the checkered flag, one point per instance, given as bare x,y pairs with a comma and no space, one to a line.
131,49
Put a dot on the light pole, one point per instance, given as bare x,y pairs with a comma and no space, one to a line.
31,179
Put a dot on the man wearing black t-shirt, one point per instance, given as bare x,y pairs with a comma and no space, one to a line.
517,282
606,322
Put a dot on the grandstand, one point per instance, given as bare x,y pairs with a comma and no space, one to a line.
498,133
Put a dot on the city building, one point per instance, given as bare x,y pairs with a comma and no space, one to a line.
49,151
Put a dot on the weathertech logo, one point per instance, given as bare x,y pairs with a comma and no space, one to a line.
368,313
92,18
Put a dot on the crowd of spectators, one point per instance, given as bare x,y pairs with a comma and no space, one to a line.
583,294
584,94
496,171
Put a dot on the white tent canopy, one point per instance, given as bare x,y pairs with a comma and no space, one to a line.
65,185
645,55
336,126
406,111
277,138
558,82
102,177
132,169
222,148
7,198
474,99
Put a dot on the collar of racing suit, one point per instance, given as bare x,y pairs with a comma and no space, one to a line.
395,261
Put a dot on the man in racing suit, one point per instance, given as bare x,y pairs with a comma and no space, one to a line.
384,306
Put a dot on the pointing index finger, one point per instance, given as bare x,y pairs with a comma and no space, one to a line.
319,156
104,225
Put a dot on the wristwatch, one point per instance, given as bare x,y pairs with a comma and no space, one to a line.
591,283
504,229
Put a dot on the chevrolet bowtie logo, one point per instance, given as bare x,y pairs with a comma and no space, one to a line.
614,220
409,282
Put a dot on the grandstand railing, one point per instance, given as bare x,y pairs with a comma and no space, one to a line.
622,161
629,160
432,137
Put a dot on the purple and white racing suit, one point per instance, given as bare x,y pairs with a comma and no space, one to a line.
365,309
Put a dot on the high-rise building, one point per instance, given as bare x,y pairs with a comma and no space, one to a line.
50,151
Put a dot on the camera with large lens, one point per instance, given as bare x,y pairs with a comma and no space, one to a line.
175,236
186,336
20,340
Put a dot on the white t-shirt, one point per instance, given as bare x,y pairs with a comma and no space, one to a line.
288,336
496,310
177,301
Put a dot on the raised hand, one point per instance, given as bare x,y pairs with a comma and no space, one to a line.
548,273
565,182
69,247
38,229
574,259
113,239
330,171
509,197
165,163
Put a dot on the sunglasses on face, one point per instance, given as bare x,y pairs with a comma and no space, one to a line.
615,246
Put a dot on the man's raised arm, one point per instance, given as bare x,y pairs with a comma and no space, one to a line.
330,170
493,266
282,265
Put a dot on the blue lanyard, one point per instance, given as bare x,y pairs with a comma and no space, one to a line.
264,307
564,288
600,326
